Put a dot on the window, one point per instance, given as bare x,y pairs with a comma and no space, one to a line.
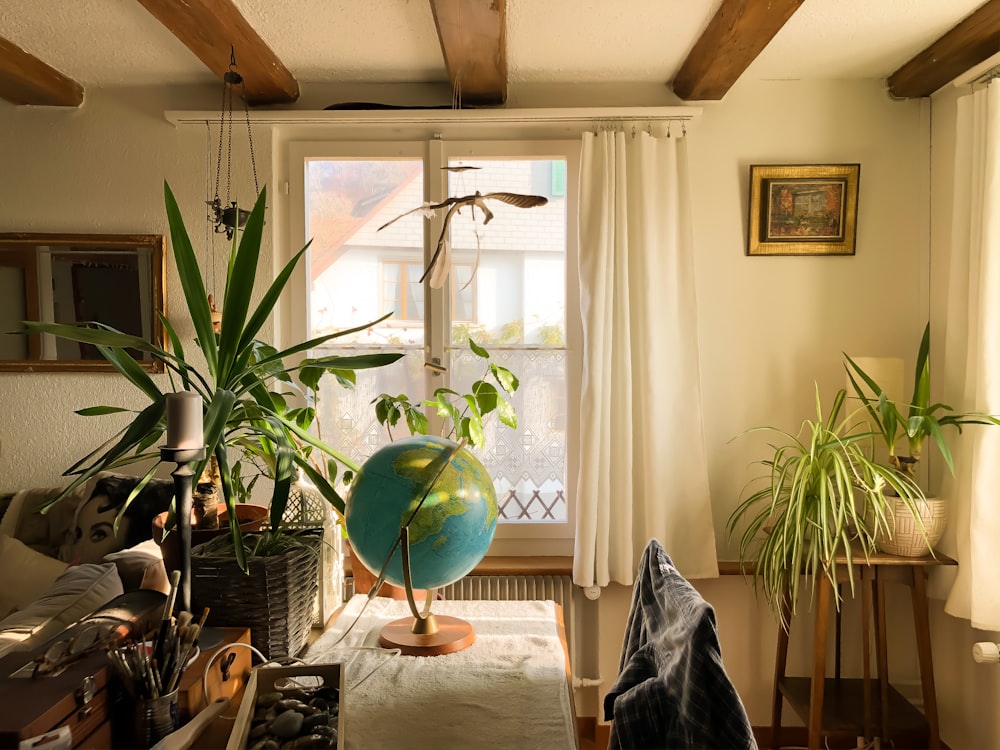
507,290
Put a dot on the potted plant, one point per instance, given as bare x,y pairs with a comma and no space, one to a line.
823,496
242,381
462,416
921,421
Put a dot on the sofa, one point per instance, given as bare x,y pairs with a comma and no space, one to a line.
61,565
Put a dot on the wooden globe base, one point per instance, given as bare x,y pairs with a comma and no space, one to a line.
453,634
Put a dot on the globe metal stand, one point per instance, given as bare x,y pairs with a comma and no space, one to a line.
424,634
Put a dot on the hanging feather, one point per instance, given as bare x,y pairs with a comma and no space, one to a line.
442,253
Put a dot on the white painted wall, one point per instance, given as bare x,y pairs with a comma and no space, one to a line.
100,169
770,326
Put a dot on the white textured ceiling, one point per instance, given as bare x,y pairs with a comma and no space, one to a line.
117,42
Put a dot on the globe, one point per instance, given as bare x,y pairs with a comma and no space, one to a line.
450,532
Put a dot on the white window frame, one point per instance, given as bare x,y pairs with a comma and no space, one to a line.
515,539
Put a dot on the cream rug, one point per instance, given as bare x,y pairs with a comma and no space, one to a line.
508,690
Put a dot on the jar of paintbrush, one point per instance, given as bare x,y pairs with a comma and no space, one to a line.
150,671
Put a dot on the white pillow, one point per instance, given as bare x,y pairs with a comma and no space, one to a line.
75,594
134,563
27,574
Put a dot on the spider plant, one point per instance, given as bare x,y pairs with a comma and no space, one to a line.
243,382
822,505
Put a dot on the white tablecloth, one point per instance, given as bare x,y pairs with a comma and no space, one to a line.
508,690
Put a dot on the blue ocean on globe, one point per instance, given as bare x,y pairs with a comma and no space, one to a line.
452,530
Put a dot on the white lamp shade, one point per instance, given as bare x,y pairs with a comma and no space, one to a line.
887,372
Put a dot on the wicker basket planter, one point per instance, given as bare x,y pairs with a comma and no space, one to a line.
275,599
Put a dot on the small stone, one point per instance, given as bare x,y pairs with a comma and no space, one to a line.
268,699
287,724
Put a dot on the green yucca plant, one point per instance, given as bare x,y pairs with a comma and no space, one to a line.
242,384
922,420
823,496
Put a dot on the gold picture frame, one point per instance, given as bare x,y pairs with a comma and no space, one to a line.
803,209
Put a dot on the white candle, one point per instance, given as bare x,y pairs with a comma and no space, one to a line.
184,421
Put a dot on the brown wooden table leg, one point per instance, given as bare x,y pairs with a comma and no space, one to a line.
867,580
819,663
921,623
882,656
780,662
837,623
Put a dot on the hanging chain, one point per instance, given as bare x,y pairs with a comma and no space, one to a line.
227,217
253,161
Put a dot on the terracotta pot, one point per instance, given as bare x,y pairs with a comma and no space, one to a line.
251,518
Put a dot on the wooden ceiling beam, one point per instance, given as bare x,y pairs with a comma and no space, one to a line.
24,79
473,35
737,33
969,43
212,29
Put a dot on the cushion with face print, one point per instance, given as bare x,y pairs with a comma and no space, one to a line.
100,526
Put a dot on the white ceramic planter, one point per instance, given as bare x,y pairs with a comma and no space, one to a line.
907,540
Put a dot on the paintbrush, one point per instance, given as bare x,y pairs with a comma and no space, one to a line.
168,611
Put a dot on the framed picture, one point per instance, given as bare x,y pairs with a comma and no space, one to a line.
803,209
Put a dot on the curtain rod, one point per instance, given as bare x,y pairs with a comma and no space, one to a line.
987,69
445,116
989,75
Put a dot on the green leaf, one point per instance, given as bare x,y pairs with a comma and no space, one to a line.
508,380
86,333
283,475
240,282
478,350
96,411
416,421
227,493
506,413
127,366
192,284
178,351
325,488
922,374
486,396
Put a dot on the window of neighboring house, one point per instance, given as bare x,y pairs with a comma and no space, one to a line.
403,293
507,290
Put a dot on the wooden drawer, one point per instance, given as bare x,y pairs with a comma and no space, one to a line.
78,698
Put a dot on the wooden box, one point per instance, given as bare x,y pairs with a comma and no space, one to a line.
263,680
227,674
78,698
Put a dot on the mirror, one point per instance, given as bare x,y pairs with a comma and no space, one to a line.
115,279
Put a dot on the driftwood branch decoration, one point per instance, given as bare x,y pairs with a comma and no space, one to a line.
440,264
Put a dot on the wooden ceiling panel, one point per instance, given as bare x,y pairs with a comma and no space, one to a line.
737,33
969,43
24,79
212,29
474,44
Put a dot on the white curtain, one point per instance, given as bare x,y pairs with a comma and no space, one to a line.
972,360
643,467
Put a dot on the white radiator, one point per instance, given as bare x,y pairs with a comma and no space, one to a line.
514,588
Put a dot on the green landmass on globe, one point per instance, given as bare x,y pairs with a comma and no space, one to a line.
453,528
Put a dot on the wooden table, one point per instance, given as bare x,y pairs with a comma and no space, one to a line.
510,688
831,705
